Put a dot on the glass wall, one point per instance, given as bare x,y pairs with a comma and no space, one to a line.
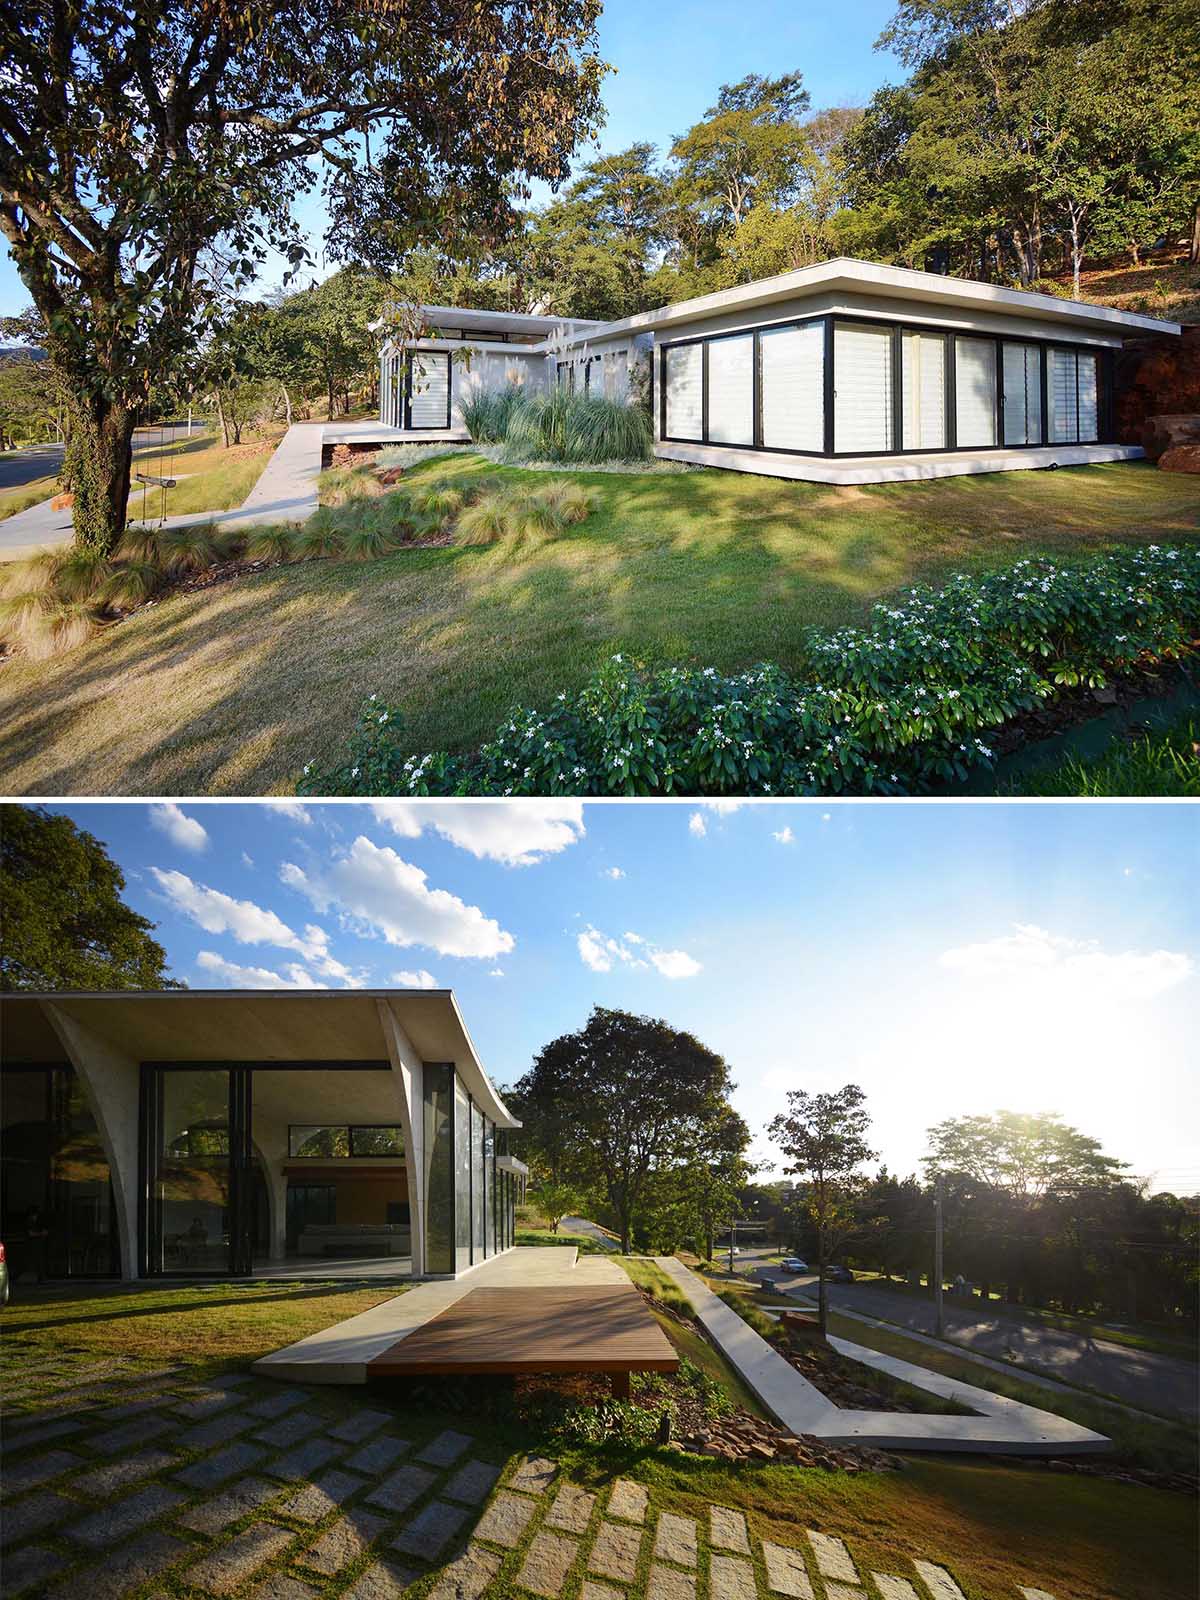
974,393
462,1176
862,388
57,1213
792,385
193,1182
477,1184
765,389
489,1168
923,390
439,1167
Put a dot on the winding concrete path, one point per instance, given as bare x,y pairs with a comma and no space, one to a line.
1002,1426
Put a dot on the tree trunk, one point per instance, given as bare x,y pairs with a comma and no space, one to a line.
224,420
97,467
287,403
822,1292
1194,251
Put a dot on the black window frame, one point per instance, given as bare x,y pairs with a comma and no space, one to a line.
351,1129
899,326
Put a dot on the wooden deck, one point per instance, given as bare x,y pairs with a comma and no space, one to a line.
590,1328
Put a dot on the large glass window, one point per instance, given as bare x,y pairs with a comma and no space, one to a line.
1071,380
192,1187
1021,365
57,1215
684,391
477,1184
462,1176
731,390
792,381
975,392
862,375
489,1167
309,1141
923,390
439,1167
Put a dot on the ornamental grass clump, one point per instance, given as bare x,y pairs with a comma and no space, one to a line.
576,429
899,706
487,413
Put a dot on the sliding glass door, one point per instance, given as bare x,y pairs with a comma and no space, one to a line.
200,1217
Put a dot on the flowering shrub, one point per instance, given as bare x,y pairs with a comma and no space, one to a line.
889,708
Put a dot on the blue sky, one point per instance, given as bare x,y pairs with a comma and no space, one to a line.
949,958
671,58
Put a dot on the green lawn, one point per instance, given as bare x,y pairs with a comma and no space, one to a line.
992,1525
1164,761
232,689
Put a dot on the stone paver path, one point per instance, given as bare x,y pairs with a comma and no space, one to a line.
242,1486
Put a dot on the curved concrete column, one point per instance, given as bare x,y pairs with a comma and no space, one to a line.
408,1075
110,1080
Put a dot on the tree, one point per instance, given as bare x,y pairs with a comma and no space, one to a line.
717,1174
823,1138
1028,1157
750,147
555,1201
618,1102
64,923
149,155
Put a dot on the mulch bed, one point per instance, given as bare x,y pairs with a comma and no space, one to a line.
1070,707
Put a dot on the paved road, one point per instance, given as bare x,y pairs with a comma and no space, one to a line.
23,466
1138,1377
589,1230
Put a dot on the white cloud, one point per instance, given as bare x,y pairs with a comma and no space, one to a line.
248,923
614,873
723,808
415,980
602,953
496,972
519,833
697,825
293,975
826,816
375,886
182,830
784,836
295,809
675,963
1032,953
247,860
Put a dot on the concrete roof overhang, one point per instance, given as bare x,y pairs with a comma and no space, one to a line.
248,1025
846,275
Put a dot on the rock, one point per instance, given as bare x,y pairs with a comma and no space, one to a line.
1164,432
389,475
1180,458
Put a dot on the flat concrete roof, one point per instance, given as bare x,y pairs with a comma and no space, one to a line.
845,273
247,1025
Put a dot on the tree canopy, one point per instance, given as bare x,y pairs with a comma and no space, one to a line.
64,924
618,1103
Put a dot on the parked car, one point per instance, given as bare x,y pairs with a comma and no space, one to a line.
3,1277
794,1264
838,1275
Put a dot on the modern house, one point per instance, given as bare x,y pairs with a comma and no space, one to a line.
842,372
201,1133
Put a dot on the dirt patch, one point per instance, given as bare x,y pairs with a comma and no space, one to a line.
347,455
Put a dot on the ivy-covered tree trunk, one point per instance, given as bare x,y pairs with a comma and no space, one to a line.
96,469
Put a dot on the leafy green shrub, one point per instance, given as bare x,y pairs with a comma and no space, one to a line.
486,414
893,707
576,429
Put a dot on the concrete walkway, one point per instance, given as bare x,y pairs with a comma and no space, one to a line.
286,491
340,1354
1003,1426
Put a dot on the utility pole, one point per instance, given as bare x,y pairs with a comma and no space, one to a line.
939,1325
